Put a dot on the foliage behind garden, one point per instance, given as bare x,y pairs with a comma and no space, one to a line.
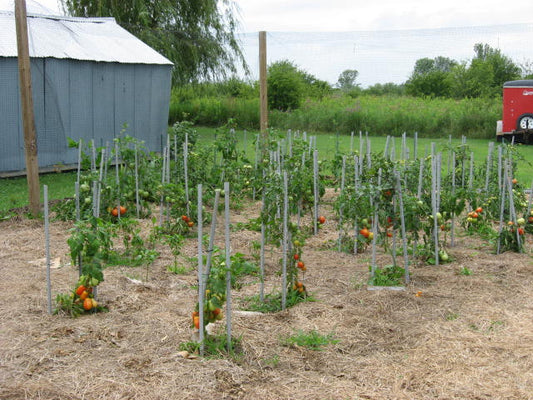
377,115
441,97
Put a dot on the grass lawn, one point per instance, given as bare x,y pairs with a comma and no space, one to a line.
13,191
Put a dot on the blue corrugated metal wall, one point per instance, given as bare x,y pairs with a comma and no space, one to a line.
82,99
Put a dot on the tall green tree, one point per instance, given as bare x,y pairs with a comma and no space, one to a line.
347,78
430,77
427,65
503,68
198,36
486,74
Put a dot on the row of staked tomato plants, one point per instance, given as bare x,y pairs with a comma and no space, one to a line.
469,201
112,198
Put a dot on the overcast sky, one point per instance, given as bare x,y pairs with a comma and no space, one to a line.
382,39
358,15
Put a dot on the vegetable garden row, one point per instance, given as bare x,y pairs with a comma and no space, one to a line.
408,202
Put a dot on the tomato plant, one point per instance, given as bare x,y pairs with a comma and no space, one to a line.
80,299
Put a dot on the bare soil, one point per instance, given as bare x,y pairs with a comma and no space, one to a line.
462,337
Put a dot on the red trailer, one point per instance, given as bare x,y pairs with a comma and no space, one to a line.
517,119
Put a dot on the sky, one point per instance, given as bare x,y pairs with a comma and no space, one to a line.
358,15
380,39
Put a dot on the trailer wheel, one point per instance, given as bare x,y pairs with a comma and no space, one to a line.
524,122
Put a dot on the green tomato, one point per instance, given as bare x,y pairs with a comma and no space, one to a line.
87,200
85,187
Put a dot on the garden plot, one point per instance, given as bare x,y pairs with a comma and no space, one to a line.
448,335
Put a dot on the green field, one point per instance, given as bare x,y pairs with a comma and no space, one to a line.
13,191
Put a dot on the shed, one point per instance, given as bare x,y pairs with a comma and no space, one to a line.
90,79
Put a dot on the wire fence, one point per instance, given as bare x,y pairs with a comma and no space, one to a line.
386,56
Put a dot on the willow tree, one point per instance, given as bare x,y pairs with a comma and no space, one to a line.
197,36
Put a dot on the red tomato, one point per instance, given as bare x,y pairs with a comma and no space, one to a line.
80,290
322,219
88,304
114,211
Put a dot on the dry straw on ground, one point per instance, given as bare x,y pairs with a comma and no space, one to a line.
463,337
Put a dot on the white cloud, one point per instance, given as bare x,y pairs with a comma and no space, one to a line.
358,15
345,15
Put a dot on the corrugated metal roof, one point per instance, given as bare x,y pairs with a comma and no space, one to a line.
89,39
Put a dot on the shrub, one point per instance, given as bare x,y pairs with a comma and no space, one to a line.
285,86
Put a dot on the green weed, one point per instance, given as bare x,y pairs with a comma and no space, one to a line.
312,340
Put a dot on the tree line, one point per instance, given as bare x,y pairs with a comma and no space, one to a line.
439,77
199,38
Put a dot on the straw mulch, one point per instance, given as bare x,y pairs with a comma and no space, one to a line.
462,337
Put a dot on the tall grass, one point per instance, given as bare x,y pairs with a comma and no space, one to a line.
214,112
213,105
378,115
391,115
